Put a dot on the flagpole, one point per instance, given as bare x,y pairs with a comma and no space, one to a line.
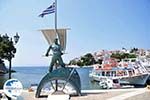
56,82
56,15
56,20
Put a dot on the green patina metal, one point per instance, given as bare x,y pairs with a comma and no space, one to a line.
57,52
69,75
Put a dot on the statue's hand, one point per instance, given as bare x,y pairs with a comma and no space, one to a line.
46,54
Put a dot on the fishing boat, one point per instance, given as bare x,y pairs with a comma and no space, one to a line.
128,73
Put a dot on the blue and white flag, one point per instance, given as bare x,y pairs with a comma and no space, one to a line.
49,10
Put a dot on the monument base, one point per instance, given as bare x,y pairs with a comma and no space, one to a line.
58,97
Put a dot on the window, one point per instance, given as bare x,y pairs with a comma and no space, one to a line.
115,81
103,73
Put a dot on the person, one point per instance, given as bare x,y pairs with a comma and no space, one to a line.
57,52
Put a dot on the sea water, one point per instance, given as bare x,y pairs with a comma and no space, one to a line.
33,75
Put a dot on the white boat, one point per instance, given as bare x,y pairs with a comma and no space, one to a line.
146,63
107,83
127,73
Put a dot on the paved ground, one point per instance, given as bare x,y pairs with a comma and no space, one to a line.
129,95
143,96
98,96
113,94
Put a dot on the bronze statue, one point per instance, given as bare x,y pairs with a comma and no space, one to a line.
57,52
68,74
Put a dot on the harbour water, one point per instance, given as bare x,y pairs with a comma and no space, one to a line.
33,75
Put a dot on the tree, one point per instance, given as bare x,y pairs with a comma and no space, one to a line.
7,48
116,55
89,59
79,63
73,62
134,50
85,60
99,61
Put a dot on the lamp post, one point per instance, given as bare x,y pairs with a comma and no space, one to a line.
16,38
10,55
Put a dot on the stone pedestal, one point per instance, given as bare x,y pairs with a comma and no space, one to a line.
58,97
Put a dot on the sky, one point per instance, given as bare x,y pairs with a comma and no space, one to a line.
94,24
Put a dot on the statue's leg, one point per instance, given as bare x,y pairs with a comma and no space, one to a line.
51,64
61,62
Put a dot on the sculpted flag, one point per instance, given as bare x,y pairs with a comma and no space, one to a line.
49,10
50,35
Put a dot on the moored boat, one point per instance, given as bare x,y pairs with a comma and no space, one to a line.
130,73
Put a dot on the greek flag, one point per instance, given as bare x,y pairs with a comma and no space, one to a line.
49,10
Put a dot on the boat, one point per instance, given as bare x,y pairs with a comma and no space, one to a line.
145,61
137,73
108,83
131,72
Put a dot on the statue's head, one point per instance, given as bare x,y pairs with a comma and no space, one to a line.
56,41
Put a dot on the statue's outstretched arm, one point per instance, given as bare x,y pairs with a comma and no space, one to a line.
48,50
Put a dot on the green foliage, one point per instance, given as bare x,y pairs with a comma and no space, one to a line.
123,55
116,55
72,62
79,63
134,50
86,60
7,49
99,61
132,56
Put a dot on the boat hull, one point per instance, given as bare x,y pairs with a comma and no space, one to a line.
96,78
135,80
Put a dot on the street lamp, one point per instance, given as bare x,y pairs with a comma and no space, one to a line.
16,39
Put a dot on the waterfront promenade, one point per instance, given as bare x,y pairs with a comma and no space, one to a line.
112,94
116,94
